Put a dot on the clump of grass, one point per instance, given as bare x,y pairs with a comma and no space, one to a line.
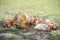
7,29
58,26
54,36
9,36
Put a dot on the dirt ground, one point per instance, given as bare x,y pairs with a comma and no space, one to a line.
29,34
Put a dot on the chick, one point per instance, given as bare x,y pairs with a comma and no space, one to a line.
33,20
19,17
8,23
23,24
40,20
51,24
42,26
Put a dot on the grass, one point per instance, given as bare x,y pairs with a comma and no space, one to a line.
10,36
7,29
54,36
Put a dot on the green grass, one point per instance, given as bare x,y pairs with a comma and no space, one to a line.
10,36
7,29
31,7
54,36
